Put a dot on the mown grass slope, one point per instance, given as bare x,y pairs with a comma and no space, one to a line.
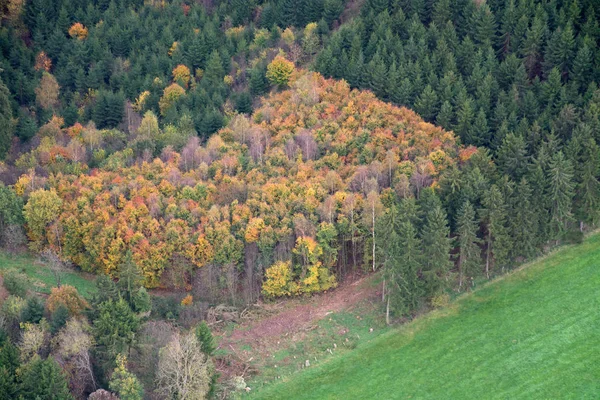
534,334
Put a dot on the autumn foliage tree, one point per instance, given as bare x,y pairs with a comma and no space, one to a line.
78,31
279,71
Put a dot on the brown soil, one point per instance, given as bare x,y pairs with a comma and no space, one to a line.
284,322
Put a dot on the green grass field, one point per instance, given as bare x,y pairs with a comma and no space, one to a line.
533,334
42,278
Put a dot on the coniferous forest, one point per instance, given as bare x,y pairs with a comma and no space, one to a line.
242,151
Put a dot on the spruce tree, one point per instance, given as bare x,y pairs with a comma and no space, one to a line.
426,105
469,256
560,193
523,224
512,156
402,266
445,116
44,380
436,251
493,216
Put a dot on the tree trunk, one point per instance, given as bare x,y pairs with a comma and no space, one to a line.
487,257
387,311
373,214
460,272
383,291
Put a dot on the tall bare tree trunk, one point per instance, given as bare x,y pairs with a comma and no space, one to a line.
387,311
373,215
487,257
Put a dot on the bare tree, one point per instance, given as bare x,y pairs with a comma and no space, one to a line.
183,369
56,265
307,144
73,345
13,238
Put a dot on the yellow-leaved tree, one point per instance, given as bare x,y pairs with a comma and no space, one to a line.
279,71
40,211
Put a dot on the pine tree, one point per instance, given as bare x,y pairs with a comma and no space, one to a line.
469,256
332,9
130,278
442,12
464,120
401,270
205,339
512,156
560,193
258,81
479,133
560,51
114,330
288,13
485,26
493,216
436,251
445,116
44,380
378,76
523,222
426,105
582,65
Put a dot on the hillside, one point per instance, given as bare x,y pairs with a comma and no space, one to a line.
530,334
301,176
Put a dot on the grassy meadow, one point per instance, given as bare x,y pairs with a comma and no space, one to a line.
532,334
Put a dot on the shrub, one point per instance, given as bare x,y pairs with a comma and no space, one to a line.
13,307
165,307
440,300
187,300
16,283
69,297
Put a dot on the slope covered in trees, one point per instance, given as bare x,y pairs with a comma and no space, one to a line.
293,190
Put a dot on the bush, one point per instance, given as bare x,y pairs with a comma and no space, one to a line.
440,300
69,297
574,237
13,307
16,283
165,307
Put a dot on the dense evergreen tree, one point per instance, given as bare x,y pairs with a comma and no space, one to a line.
44,379
6,120
560,194
493,216
436,251
469,256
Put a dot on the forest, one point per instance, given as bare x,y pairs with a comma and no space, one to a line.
240,151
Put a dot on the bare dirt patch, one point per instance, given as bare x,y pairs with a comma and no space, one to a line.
286,322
